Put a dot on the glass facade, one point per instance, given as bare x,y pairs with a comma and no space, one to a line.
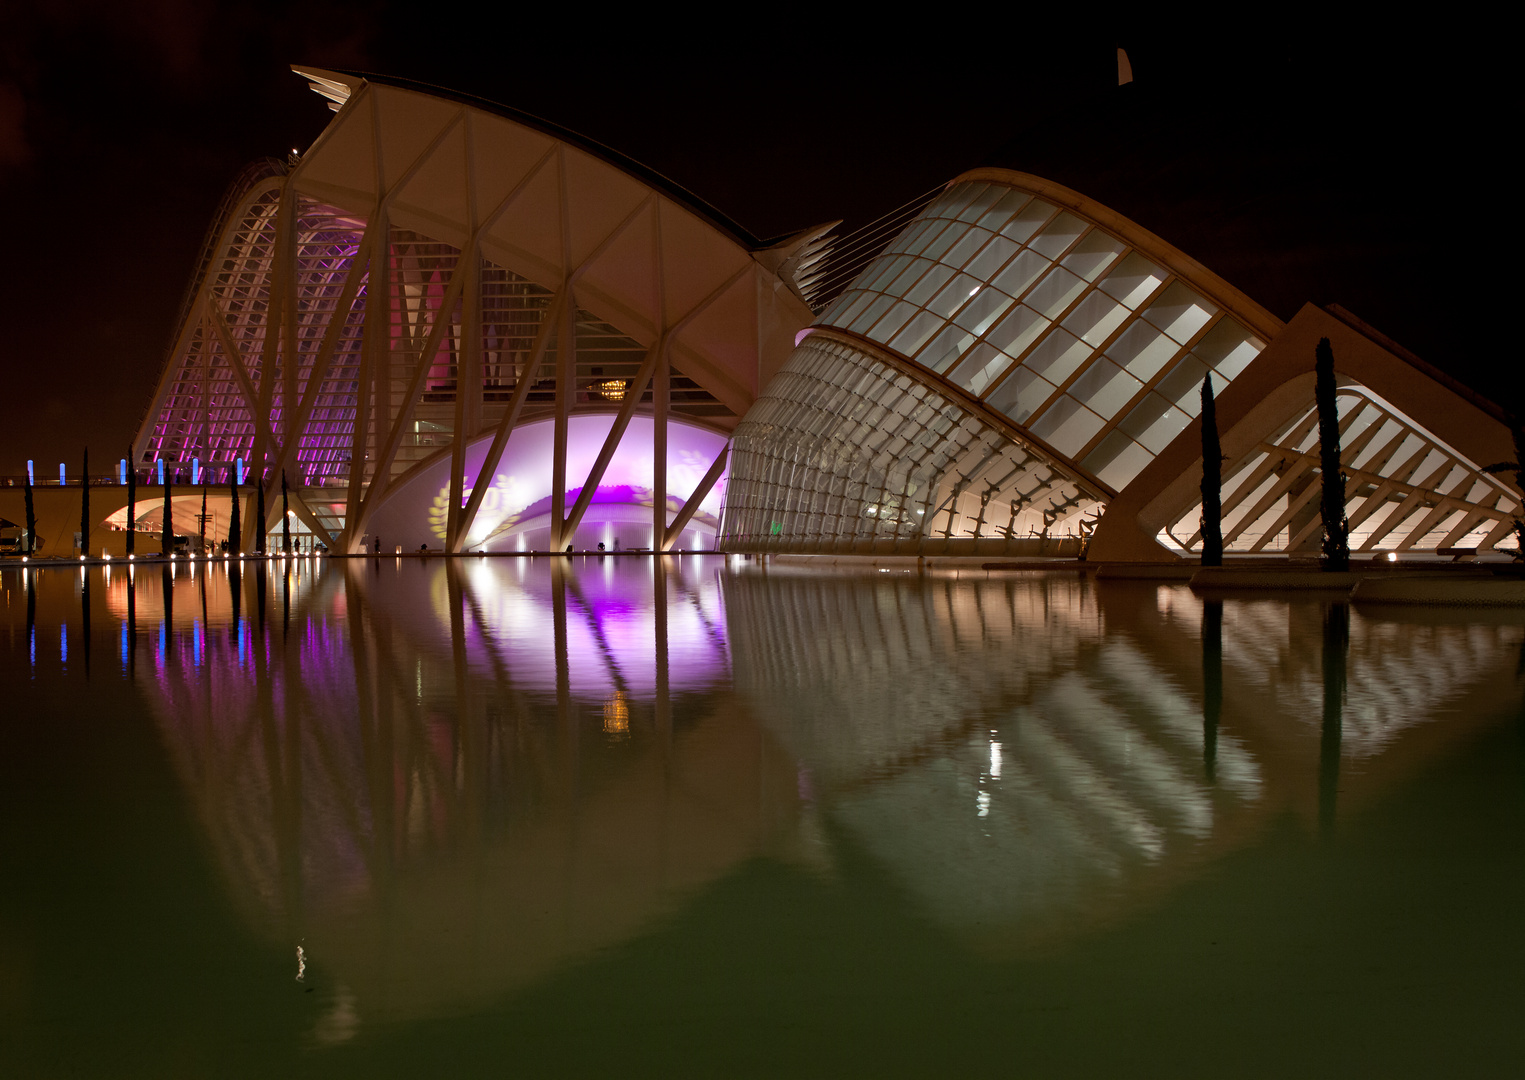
1082,339
847,452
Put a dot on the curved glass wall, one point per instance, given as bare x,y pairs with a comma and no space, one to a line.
846,452
1087,342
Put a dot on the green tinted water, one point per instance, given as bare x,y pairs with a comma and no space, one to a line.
509,816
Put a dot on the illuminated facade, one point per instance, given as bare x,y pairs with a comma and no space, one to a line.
385,319
1007,373
453,326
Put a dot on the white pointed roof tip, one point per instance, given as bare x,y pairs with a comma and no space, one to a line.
332,85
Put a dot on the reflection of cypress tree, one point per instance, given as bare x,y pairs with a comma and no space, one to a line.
1336,645
259,592
168,582
84,513
132,503
1336,525
84,619
236,590
1212,481
1212,682
31,608
234,540
31,519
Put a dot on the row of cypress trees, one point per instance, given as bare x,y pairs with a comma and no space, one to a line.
1336,548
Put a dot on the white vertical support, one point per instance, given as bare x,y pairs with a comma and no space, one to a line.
566,372
566,364
661,385
468,387
374,346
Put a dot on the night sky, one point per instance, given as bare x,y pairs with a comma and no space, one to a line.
1312,164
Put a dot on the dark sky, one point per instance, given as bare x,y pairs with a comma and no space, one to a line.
122,123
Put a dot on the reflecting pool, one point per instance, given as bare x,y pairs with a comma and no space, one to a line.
619,816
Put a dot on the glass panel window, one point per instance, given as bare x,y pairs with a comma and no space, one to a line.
1180,312
910,241
1021,395
908,277
1143,350
916,332
1134,279
991,258
980,367
1058,356
924,289
1067,425
1117,460
1104,387
1154,422
980,199
967,245
1095,317
1028,221
938,246
1020,273
1093,254
1183,385
842,309
945,348
1227,348
1008,205
931,230
1018,330
1058,235
954,295
955,199
870,314
1055,292
983,308
889,273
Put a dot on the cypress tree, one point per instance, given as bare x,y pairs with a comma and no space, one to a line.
167,531
1336,525
84,505
132,502
285,516
203,519
234,540
1212,480
31,519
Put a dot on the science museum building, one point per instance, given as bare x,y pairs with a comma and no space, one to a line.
448,324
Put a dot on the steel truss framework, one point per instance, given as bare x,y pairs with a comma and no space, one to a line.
434,272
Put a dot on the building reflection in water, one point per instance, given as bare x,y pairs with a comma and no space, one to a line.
447,779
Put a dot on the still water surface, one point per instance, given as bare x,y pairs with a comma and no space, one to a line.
602,817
